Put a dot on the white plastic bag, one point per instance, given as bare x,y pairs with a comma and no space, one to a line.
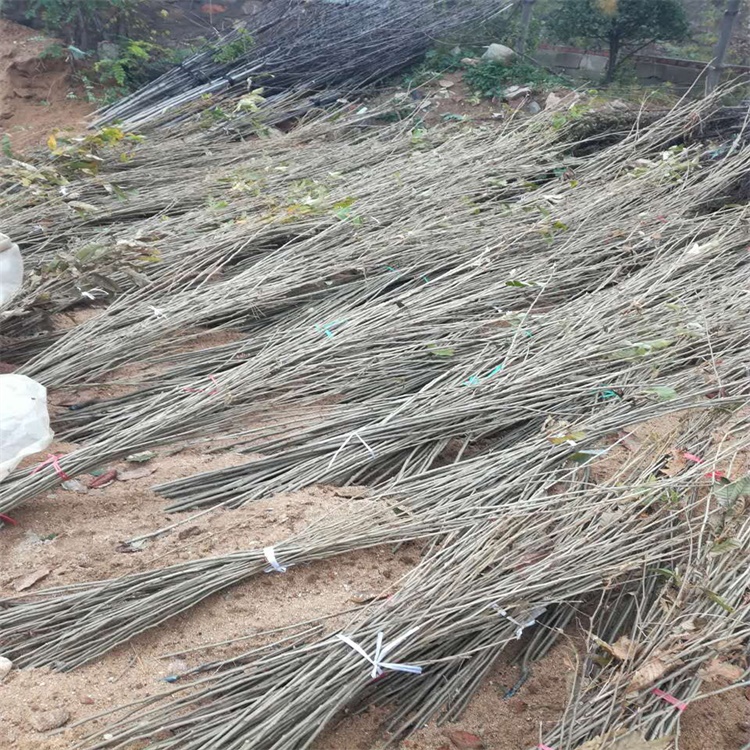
11,270
24,421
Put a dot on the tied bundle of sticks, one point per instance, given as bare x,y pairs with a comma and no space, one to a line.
461,607
406,318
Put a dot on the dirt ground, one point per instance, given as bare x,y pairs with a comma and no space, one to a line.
36,92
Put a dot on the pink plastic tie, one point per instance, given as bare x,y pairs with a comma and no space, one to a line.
693,457
716,475
542,746
54,462
676,702
212,378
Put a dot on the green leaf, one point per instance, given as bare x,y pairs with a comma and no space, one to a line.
345,203
716,599
567,438
728,493
662,392
583,457
444,351
640,349
139,458
726,546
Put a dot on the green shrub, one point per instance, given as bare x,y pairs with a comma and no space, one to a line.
489,79
235,49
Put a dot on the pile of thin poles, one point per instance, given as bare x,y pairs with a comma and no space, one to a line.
303,48
466,326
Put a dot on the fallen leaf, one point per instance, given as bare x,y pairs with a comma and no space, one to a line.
366,597
629,440
719,548
48,720
721,670
651,671
728,493
570,437
102,481
438,351
675,465
29,580
623,648
140,473
129,547
141,457
73,485
662,392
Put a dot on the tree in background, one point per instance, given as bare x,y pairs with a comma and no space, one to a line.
720,51
82,22
625,26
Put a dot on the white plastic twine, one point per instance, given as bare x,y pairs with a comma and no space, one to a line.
378,665
270,556
346,442
521,625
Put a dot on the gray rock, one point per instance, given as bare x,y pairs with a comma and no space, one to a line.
73,485
533,108
108,51
499,53
45,721
5,666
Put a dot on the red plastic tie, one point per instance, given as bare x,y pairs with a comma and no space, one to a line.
212,378
716,475
692,457
53,461
676,702
8,519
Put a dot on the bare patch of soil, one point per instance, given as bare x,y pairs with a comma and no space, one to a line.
35,91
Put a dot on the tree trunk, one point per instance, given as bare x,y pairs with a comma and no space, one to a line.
614,53
720,51
523,33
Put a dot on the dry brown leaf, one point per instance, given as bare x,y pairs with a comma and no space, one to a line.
654,668
629,440
623,648
29,580
677,463
721,670
632,741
